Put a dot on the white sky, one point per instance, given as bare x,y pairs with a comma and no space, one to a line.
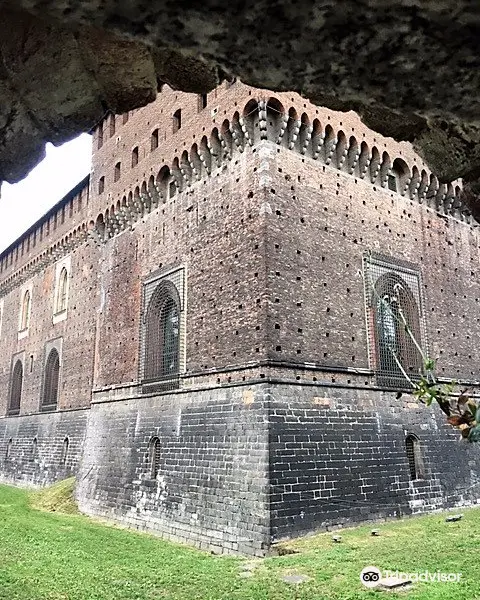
25,202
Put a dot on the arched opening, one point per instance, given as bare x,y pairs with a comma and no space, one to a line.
16,389
25,312
50,381
62,291
341,150
399,177
276,120
414,457
397,330
154,140
162,334
64,454
154,454
164,178
177,120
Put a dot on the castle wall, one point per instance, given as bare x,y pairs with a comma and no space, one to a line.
337,456
212,486
50,457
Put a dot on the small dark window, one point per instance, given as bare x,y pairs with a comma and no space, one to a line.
64,455
117,172
202,101
177,120
154,456
101,185
154,140
112,125
8,451
172,189
135,157
415,462
50,383
100,136
392,182
34,452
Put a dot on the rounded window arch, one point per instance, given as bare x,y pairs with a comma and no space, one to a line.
51,379
154,455
414,457
62,291
65,447
162,333
26,308
16,389
397,327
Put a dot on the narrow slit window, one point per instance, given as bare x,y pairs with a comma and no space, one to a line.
117,171
135,157
155,455
154,140
414,457
177,120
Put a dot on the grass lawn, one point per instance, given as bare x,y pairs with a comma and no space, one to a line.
52,556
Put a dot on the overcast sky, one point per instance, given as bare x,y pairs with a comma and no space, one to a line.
25,202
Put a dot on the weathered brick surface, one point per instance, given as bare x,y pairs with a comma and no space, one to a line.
24,467
340,457
212,488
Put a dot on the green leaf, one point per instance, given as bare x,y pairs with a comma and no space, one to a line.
474,435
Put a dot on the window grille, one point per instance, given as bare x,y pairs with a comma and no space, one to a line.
62,291
51,378
162,346
415,462
395,324
154,456
16,389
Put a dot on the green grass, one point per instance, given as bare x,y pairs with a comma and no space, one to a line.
56,498
53,556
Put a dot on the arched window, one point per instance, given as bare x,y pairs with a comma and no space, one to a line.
177,120
154,140
397,328
50,383
62,291
162,333
16,389
25,312
33,454
8,451
154,457
135,157
64,455
414,456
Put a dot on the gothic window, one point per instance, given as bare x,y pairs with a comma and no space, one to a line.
25,310
62,291
16,385
162,334
154,457
50,382
414,456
